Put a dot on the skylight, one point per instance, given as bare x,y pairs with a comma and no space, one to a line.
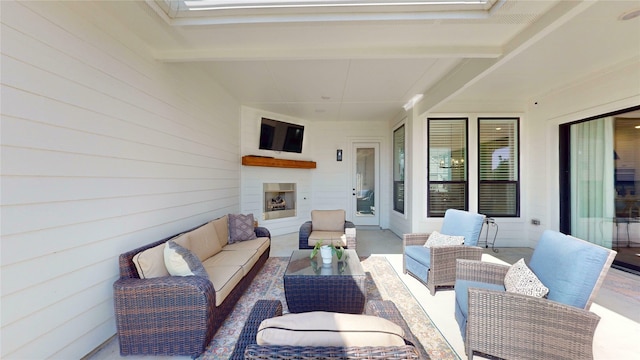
210,12
270,4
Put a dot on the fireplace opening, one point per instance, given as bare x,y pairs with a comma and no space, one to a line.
279,200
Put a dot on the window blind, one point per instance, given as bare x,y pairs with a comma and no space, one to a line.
447,165
498,163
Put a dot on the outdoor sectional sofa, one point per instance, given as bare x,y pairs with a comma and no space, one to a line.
160,314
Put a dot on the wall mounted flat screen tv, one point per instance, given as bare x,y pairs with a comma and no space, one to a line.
281,136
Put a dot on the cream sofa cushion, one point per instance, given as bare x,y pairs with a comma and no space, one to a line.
319,328
150,263
222,229
337,238
258,244
204,241
327,220
224,279
245,259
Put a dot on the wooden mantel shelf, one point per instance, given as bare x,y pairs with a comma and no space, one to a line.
249,160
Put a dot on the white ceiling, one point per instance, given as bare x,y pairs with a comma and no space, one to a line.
326,64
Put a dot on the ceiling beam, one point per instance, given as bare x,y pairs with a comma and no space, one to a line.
471,71
329,53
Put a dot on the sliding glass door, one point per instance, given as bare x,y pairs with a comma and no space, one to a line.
592,181
600,183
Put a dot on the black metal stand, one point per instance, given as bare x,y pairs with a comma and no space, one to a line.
491,223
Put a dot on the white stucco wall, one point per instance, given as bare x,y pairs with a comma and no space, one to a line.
328,186
607,91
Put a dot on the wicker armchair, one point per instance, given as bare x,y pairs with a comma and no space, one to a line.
247,348
514,326
436,266
330,227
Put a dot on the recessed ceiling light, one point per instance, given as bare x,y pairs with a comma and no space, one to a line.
629,14
498,128
325,97
637,126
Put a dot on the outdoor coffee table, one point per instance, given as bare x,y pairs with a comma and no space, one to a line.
310,285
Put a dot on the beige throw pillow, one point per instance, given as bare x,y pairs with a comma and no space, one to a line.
321,328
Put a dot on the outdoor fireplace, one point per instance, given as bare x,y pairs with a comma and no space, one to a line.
279,200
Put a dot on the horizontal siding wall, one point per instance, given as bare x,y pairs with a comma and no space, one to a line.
605,91
103,150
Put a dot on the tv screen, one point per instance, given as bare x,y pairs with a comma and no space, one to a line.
281,136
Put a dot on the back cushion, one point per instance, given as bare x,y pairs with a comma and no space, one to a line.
204,241
320,328
327,220
150,263
568,266
463,223
222,229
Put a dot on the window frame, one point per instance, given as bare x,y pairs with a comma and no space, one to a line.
517,182
401,171
465,182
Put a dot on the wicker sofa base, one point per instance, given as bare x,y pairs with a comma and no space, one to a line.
247,348
171,315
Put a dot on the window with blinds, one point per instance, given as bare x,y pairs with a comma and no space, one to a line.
447,165
398,169
499,168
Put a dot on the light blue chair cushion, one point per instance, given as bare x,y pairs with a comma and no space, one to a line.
568,266
417,260
462,299
463,223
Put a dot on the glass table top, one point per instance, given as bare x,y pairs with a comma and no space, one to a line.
301,265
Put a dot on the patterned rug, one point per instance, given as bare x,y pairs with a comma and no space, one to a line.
382,284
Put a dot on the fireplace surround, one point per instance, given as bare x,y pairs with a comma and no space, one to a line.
279,200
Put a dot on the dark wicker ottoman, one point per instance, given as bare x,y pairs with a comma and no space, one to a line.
247,348
310,285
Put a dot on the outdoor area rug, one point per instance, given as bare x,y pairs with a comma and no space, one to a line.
382,284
